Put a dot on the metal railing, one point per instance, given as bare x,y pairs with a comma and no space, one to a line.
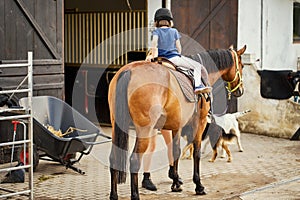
20,116
103,38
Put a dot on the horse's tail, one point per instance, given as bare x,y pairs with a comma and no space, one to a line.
119,152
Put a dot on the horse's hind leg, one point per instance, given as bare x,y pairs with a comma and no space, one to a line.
140,148
114,176
135,164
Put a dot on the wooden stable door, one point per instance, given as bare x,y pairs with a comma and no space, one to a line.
212,23
37,26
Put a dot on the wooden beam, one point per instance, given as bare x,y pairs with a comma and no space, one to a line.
37,28
35,62
208,19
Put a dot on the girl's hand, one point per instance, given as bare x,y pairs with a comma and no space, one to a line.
149,56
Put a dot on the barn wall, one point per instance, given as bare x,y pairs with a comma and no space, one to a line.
277,118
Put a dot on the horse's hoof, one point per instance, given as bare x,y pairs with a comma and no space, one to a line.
113,197
201,193
200,190
176,188
135,198
172,176
180,181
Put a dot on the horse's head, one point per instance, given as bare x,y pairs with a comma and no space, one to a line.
234,76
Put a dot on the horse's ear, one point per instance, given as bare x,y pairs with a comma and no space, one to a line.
242,50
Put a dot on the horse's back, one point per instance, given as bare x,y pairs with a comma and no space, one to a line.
153,95
148,93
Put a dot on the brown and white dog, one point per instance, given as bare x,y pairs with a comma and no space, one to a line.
221,132
219,138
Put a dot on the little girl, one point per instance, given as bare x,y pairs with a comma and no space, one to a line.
166,43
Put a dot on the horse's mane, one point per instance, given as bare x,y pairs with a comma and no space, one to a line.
215,59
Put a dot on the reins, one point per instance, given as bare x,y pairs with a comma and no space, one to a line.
237,75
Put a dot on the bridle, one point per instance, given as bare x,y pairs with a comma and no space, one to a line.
237,75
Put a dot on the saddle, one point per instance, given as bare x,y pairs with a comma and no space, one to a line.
184,77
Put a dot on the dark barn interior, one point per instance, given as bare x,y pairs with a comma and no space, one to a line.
91,56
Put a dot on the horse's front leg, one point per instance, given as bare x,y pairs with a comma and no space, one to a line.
201,124
196,175
176,185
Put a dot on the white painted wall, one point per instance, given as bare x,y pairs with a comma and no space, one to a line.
266,26
268,34
277,118
153,5
249,23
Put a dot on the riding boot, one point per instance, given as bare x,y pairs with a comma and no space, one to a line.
147,182
172,176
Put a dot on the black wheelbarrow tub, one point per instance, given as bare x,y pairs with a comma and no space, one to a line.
52,111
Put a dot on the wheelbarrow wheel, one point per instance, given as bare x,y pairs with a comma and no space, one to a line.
35,162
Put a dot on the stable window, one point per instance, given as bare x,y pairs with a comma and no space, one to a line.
296,22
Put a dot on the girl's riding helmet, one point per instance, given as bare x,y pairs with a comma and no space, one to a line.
163,14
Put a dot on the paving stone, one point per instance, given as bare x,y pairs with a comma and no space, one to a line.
275,158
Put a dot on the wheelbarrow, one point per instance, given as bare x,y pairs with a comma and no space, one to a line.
80,134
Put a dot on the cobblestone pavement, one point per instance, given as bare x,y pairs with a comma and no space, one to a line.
269,168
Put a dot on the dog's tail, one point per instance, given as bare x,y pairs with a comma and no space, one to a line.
239,114
229,137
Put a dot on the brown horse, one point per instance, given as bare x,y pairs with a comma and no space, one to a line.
147,96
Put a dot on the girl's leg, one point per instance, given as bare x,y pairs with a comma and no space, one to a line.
147,182
198,69
167,135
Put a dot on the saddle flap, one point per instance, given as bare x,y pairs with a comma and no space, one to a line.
183,75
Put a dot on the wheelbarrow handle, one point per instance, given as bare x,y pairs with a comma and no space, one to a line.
108,139
103,135
99,142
